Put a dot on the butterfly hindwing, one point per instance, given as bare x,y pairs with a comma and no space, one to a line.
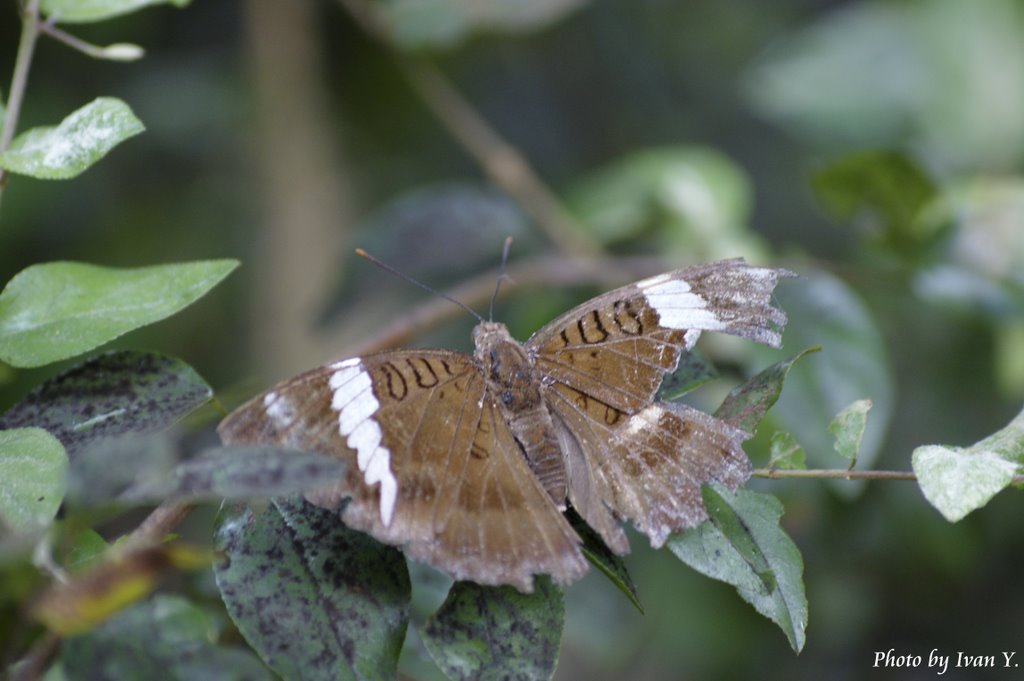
603,362
431,465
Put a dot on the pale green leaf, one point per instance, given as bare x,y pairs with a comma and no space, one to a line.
315,599
786,453
57,310
958,480
848,429
81,139
83,11
485,633
743,545
33,477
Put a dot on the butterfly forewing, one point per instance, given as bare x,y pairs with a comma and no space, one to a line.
431,467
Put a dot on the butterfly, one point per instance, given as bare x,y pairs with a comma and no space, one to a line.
469,461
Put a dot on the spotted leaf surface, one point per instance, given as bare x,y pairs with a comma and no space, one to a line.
315,599
747,404
68,149
110,395
491,633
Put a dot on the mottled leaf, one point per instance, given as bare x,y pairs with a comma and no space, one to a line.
601,557
848,429
82,11
315,599
240,473
33,477
746,404
786,453
109,587
415,24
693,372
163,638
742,544
57,310
110,395
68,149
489,633
957,480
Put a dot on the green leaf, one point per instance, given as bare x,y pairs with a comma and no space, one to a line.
786,453
81,139
693,372
57,310
853,364
886,183
490,633
418,24
33,476
87,551
163,638
240,473
746,404
315,599
957,480
83,11
601,557
111,395
742,544
695,199
848,429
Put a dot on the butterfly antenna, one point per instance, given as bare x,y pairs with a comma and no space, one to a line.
401,275
501,276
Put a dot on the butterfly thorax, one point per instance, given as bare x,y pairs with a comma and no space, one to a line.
515,388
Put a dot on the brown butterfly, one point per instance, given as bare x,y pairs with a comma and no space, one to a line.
467,461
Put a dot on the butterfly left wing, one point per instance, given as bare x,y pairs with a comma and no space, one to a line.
603,362
432,466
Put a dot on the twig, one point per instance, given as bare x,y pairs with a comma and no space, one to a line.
544,271
157,524
500,160
38,659
19,81
845,474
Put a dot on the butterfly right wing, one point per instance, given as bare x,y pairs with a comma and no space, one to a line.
432,466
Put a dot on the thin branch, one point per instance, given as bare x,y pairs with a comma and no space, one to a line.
19,81
38,660
844,474
537,272
500,160
158,524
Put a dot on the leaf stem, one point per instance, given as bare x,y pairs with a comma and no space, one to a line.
844,474
19,81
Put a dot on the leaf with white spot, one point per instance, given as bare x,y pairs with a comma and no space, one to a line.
68,149
315,599
742,544
786,453
57,310
958,480
33,476
848,429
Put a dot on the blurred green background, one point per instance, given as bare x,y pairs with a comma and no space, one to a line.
874,147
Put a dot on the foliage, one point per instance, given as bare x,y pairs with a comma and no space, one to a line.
914,297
